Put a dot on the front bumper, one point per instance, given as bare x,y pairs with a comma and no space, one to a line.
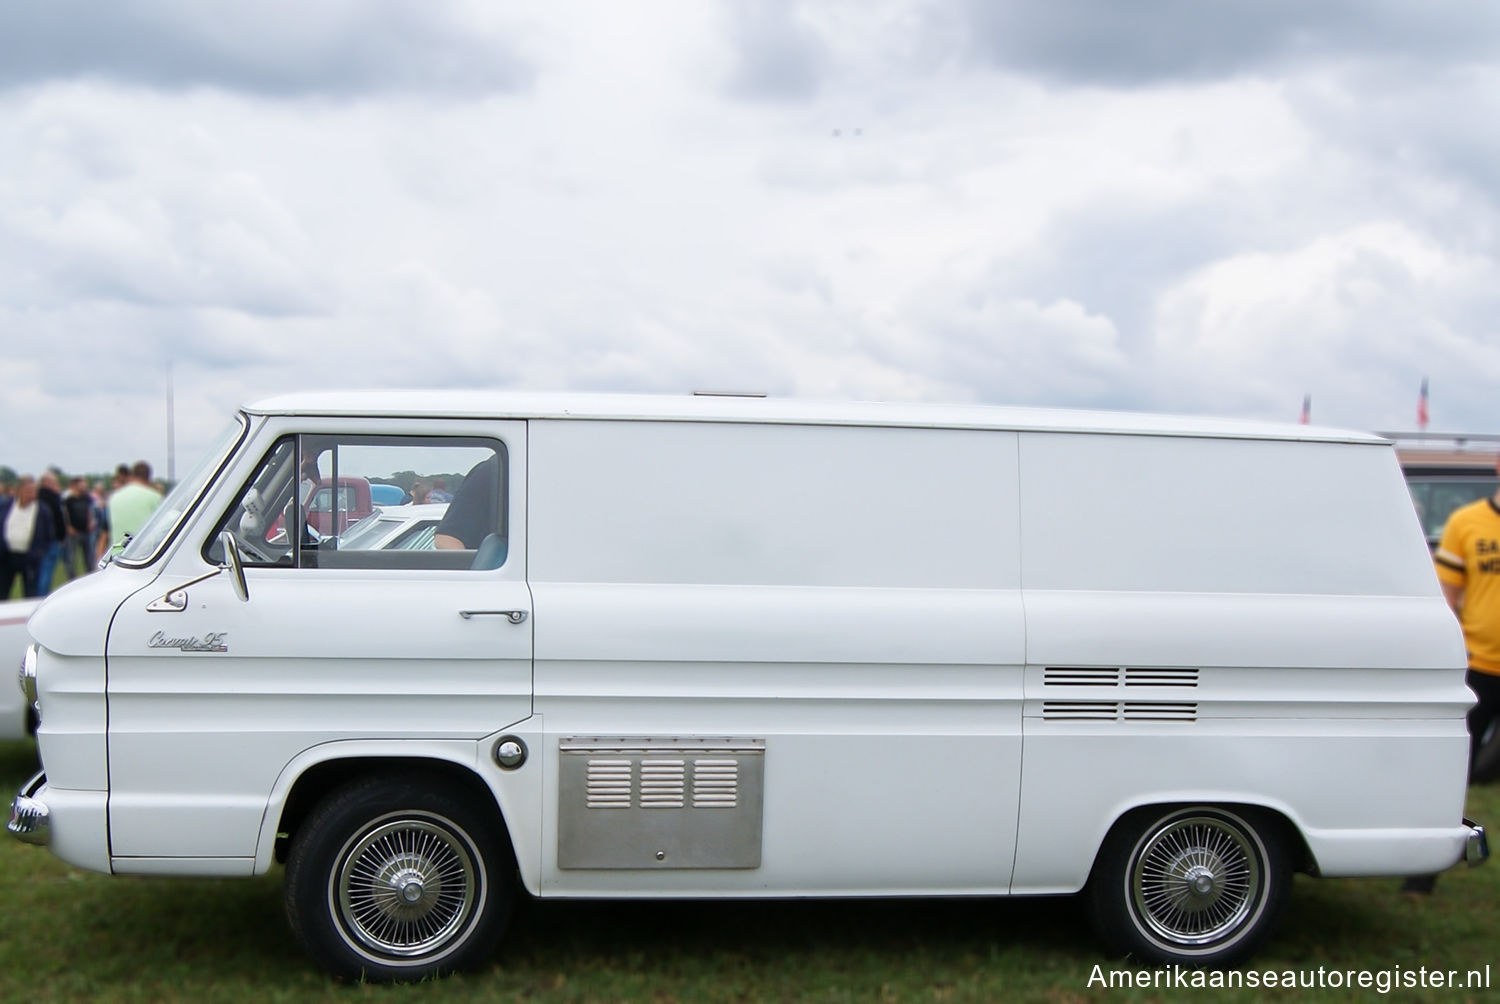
1476,847
29,815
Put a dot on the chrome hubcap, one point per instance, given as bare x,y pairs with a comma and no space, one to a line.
1200,880
406,886
410,888
1196,880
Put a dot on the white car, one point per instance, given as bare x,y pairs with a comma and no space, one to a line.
13,641
395,528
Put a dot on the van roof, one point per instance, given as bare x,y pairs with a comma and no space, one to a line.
784,411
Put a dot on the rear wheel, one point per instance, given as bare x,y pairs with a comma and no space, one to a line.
398,879
1198,886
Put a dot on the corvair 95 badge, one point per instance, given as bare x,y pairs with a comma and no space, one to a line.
208,643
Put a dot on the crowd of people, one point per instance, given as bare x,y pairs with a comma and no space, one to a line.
44,526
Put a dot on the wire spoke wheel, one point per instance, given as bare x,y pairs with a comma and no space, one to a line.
406,886
400,876
1196,880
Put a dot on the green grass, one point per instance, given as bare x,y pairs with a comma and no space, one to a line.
69,935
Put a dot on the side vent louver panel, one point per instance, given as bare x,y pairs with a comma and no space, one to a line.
1161,711
660,802
1161,677
662,783
1117,711
608,784
1108,676
1081,711
716,784
1061,676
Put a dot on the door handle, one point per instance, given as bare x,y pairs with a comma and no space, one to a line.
514,616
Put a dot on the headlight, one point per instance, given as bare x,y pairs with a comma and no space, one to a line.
27,676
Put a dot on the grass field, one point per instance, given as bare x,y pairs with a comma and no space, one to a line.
70,935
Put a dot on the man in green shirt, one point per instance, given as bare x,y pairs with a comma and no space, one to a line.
129,507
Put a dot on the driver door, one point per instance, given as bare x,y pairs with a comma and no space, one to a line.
210,697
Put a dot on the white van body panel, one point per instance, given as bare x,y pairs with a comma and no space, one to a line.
836,621
858,719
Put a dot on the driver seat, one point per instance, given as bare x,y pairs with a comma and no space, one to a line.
491,553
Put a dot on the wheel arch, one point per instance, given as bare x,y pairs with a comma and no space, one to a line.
317,771
1279,817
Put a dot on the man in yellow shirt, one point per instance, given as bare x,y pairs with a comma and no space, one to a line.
1468,567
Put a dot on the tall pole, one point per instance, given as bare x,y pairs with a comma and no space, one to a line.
171,433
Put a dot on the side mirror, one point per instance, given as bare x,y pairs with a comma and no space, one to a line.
235,566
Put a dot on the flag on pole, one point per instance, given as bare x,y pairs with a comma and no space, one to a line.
1422,407
1306,408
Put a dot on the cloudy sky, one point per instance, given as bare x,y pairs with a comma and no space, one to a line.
1165,205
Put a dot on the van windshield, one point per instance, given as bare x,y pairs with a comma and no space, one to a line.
143,547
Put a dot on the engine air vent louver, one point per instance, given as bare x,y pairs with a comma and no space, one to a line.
662,783
1114,711
659,802
1081,711
1143,677
1161,711
1066,676
716,784
607,784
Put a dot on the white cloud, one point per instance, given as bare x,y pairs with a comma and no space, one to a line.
274,47
1356,318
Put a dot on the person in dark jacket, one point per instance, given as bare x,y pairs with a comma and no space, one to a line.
49,494
26,532
78,509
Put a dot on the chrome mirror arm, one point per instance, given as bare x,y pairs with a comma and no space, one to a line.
176,599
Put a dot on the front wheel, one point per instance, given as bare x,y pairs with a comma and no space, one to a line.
398,879
1199,886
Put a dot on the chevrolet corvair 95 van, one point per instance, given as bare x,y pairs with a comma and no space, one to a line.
719,647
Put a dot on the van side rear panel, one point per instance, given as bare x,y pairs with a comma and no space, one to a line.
1236,622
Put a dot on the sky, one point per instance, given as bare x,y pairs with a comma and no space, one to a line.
1167,205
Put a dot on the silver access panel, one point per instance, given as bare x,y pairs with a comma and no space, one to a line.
677,802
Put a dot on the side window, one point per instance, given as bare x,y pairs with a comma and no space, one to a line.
321,501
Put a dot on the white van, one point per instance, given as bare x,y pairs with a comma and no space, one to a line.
721,647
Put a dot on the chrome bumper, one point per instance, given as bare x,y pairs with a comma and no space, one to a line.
28,814
1476,848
